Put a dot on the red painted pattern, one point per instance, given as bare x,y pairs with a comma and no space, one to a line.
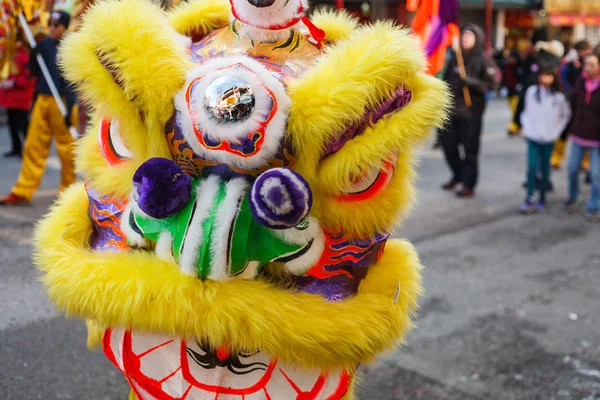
381,182
106,146
141,382
106,218
338,252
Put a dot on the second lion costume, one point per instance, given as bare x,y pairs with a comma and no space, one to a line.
243,172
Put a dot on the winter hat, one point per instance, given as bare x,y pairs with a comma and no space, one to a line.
61,18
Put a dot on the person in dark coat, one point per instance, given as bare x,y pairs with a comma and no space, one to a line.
570,74
464,127
585,136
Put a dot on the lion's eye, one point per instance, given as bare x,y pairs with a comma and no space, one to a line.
233,110
371,182
229,99
111,145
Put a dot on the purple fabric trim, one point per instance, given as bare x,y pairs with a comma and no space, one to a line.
161,188
400,99
105,213
438,34
336,288
350,256
448,14
585,142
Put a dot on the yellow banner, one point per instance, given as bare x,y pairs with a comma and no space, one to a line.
573,6
590,6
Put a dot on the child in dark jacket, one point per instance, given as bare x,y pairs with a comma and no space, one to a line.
585,135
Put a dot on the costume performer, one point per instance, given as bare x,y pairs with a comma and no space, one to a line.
242,177
47,122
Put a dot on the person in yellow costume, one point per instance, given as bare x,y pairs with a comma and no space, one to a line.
47,122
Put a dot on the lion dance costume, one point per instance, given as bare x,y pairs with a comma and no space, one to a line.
243,169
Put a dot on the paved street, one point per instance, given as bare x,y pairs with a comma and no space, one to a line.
511,309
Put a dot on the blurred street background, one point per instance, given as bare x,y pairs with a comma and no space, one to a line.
511,307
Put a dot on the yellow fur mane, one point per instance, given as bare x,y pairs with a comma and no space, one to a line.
138,290
200,17
131,74
352,76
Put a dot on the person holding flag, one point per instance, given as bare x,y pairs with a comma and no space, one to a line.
47,121
469,72
470,75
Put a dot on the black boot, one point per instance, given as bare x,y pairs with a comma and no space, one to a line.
12,153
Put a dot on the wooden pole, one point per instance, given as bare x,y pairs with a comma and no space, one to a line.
402,12
489,14
463,73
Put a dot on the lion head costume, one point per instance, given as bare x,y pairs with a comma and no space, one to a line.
243,170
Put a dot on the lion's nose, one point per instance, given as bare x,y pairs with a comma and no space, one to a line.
261,3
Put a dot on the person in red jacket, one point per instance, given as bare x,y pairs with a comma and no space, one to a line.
16,95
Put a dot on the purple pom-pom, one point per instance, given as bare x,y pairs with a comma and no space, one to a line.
161,188
280,198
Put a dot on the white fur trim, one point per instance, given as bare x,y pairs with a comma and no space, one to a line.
132,236
182,40
301,264
231,131
299,236
164,247
226,213
206,191
213,69
264,17
266,35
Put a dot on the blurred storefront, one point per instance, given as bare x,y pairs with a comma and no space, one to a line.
572,20
365,10
507,21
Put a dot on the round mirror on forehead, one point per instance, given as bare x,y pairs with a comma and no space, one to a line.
229,99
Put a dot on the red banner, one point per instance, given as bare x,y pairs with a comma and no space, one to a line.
519,19
570,20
